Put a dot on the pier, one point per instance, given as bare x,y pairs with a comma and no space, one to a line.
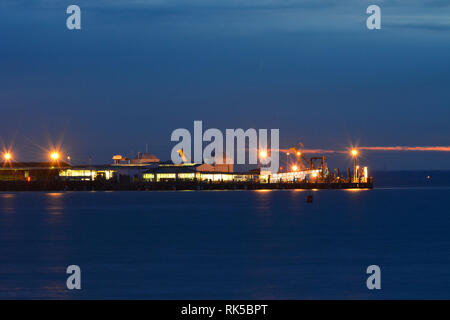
147,173
60,185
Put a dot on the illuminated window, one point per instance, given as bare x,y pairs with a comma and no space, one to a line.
216,177
86,173
148,176
165,176
187,176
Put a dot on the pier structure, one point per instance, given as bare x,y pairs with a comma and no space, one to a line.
147,172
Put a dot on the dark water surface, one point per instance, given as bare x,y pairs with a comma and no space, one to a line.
226,244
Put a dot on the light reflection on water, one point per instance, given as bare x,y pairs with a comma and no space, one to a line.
356,190
55,205
7,195
245,244
7,203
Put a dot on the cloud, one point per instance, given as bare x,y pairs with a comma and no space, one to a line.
423,26
228,4
425,22
218,4
261,15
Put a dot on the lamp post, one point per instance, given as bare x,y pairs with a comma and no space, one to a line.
287,161
355,157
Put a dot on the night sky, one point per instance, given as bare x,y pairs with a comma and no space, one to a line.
140,69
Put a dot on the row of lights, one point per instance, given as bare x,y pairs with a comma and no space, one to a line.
354,153
54,156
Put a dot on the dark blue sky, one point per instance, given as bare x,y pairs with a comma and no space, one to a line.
140,69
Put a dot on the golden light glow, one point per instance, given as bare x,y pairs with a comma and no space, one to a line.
299,153
314,174
294,168
354,152
263,154
7,156
54,156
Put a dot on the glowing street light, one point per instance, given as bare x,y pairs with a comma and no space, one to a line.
7,156
299,153
263,154
294,168
354,152
54,156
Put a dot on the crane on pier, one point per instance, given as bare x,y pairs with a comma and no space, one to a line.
305,163
301,159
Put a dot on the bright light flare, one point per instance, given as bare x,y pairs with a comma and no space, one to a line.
294,168
7,156
263,154
54,156
354,152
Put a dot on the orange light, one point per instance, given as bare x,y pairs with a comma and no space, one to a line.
7,156
54,156
263,154
314,174
28,179
354,152
299,153
294,168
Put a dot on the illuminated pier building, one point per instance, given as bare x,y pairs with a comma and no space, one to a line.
146,168
195,172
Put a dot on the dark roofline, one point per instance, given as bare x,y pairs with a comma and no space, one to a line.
33,165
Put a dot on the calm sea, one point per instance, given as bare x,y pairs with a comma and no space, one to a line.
230,244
